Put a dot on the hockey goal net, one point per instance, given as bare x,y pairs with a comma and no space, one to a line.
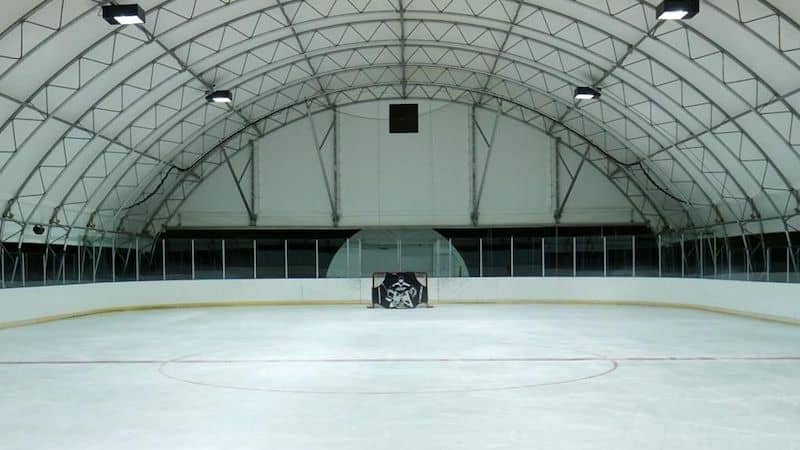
399,290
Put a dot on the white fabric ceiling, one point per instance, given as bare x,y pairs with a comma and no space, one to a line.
107,126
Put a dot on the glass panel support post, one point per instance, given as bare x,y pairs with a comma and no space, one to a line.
255,264
449,257
436,263
702,260
543,269
163,259
137,259
574,256
788,262
633,255
605,257
769,266
22,257
730,262
683,258
286,258
512,257
347,246
659,257
114,261
714,259
194,273
747,258
94,264
480,257
316,258
224,274
399,244
2,266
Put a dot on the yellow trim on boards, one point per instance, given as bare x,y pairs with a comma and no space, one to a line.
191,305
688,306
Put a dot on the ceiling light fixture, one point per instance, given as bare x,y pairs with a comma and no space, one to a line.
587,93
123,14
220,97
677,9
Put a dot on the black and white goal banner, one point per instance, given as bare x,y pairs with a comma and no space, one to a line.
399,290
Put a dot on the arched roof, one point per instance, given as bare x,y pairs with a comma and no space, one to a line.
108,126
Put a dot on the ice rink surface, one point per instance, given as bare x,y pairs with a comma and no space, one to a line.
452,377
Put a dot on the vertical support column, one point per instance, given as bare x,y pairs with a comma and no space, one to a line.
360,258
605,257
512,256
80,262
64,266
44,266
658,244
633,251
22,256
255,262
94,264
137,259
192,255
253,189
480,256
316,258
556,200
286,258
335,148
163,259
2,266
223,260
473,164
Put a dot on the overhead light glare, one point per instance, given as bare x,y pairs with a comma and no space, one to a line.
123,14
677,9
220,97
586,93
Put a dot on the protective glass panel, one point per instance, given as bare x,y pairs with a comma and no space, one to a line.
238,258
270,258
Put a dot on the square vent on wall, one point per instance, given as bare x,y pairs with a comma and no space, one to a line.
404,118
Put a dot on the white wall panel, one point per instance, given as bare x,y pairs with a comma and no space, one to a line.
404,179
290,178
518,182
593,198
421,179
217,202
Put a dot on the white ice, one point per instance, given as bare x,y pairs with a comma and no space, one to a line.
452,377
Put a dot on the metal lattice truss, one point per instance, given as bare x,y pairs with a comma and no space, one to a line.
107,128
